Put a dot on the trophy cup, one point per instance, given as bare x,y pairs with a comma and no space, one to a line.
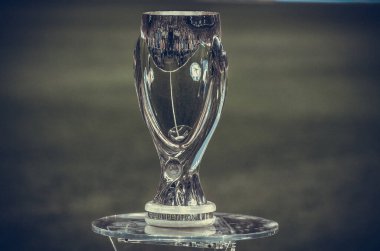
180,77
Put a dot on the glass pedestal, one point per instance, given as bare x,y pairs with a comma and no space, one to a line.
223,234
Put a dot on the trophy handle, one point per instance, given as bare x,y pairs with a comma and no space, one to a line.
214,102
146,109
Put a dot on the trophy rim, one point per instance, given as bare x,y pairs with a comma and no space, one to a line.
181,13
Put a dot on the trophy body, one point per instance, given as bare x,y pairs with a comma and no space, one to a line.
180,76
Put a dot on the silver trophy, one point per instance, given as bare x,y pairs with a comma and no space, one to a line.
180,74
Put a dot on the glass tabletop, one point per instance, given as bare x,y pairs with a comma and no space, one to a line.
227,228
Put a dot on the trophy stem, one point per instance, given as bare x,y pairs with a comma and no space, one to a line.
185,191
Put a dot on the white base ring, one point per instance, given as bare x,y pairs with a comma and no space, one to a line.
191,216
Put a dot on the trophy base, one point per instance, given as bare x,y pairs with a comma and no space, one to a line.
123,229
180,216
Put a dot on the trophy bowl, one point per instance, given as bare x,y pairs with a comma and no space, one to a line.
180,77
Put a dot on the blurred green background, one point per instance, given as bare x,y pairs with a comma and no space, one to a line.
298,141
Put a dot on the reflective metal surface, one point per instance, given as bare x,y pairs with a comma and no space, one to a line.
180,74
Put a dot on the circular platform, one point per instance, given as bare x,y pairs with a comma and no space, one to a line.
226,228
